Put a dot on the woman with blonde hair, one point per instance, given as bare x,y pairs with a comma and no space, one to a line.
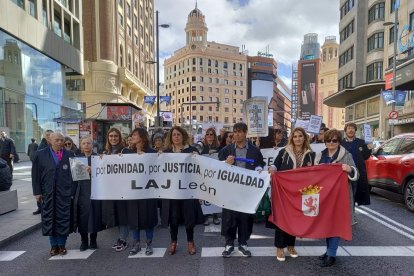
296,154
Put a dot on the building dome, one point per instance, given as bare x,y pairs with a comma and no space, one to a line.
196,12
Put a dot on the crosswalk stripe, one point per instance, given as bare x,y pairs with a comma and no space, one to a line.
6,256
73,255
379,251
26,179
158,253
212,228
310,251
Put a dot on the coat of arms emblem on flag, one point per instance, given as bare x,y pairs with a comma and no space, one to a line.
310,200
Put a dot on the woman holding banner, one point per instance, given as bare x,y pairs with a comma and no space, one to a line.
114,212
175,211
142,214
296,154
210,145
88,212
335,153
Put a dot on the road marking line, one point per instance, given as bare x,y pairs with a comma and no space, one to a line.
392,227
311,251
379,251
387,219
26,179
158,253
73,255
6,256
212,228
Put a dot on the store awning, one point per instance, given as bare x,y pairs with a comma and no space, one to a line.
352,95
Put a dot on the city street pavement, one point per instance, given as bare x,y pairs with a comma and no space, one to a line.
20,221
383,243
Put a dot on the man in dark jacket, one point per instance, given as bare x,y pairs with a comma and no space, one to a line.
360,152
232,221
54,188
7,150
45,143
31,149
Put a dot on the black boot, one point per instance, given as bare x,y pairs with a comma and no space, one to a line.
84,245
329,261
93,244
323,257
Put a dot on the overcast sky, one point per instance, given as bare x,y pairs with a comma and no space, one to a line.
281,24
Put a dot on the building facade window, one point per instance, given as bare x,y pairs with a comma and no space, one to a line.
347,31
346,57
374,71
376,12
391,35
345,82
376,41
392,6
347,7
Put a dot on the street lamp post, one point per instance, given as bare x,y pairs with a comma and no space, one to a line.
157,49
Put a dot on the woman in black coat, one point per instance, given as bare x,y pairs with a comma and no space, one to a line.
114,212
143,213
296,154
175,211
88,213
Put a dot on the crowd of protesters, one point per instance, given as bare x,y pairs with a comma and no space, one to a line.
66,206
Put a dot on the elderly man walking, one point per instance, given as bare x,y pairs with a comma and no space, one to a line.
54,188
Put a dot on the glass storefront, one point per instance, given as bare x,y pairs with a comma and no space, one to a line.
32,92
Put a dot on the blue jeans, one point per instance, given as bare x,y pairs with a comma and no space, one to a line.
123,232
149,233
332,245
58,240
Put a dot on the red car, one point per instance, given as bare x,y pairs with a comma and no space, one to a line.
391,167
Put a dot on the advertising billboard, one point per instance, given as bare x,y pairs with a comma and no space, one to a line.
307,93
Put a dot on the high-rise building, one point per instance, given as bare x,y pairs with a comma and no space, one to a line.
263,81
40,42
295,97
119,57
328,84
207,81
308,70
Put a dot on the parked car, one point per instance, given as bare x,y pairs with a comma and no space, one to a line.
391,167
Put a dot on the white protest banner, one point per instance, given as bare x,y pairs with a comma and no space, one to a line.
255,116
177,176
315,123
209,208
367,133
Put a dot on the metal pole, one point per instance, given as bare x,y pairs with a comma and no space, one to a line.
191,115
157,123
394,65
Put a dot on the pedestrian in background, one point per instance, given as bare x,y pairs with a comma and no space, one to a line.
360,152
158,142
279,138
234,222
335,153
210,145
226,139
114,212
175,211
45,140
296,154
54,188
5,176
32,149
70,145
88,212
7,150
142,213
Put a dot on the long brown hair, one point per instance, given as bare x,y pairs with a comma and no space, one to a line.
215,141
143,134
168,140
306,145
108,146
